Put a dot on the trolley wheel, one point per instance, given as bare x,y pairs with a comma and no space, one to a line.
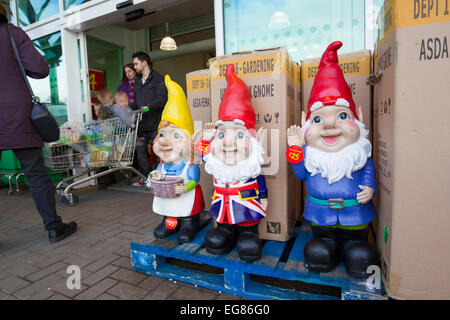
71,199
129,179
10,192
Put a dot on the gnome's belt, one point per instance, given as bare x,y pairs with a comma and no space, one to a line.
335,203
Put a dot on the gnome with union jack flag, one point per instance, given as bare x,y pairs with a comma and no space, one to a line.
239,200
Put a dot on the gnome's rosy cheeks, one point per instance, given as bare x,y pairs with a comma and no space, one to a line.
329,87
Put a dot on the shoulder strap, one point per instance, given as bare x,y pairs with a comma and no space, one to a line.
20,63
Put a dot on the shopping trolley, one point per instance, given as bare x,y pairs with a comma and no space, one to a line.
90,146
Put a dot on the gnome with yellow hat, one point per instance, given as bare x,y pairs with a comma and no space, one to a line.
173,145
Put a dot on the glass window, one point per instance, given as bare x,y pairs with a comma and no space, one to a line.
305,28
9,7
30,11
72,3
377,5
52,90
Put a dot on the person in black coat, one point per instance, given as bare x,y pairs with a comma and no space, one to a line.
149,91
17,132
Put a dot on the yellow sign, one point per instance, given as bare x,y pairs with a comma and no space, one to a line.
350,67
251,66
198,83
397,14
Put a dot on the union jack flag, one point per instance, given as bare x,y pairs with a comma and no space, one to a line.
238,202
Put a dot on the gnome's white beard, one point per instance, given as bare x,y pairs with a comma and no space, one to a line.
245,169
336,165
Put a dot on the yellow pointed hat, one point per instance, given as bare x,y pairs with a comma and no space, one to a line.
176,110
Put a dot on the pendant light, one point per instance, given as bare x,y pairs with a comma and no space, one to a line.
168,43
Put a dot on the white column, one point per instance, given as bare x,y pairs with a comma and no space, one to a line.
219,27
78,100
84,76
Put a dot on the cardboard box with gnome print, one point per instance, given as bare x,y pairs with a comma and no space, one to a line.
269,76
411,59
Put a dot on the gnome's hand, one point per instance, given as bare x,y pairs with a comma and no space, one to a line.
180,189
209,131
365,195
295,136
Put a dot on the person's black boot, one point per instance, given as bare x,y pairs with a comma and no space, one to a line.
61,231
357,253
248,243
161,231
189,228
221,239
322,252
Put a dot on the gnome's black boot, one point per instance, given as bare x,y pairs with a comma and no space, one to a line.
357,253
248,243
322,251
189,228
221,239
161,231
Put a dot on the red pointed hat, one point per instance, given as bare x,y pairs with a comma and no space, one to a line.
236,102
330,87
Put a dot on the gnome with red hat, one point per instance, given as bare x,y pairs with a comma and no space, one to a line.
339,173
239,200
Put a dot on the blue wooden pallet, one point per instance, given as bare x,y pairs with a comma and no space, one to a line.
255,280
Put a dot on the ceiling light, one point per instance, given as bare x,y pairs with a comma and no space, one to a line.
279,20
168,43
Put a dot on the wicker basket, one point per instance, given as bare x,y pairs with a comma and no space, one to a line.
166,188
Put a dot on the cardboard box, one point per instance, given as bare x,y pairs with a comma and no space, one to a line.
356,66
412,112
269,75
198,96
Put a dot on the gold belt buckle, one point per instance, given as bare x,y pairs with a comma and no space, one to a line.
333,202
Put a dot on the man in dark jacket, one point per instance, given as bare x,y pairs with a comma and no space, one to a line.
149,91
17,132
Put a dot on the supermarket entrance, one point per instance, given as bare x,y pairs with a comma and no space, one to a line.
110,46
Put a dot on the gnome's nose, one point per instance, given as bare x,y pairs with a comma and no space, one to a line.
329,122
163,141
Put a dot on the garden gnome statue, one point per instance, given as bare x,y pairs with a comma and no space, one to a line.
339,173
239,199
173,145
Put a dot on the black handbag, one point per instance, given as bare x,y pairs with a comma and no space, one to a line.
42,119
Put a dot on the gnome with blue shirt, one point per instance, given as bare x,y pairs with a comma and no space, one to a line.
174,146
339,173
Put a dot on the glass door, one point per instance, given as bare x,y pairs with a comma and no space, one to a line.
105,62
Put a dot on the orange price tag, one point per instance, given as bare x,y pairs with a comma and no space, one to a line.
171,223
294,154
203,147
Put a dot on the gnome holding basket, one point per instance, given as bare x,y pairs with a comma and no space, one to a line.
175,182
339,173
239,201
